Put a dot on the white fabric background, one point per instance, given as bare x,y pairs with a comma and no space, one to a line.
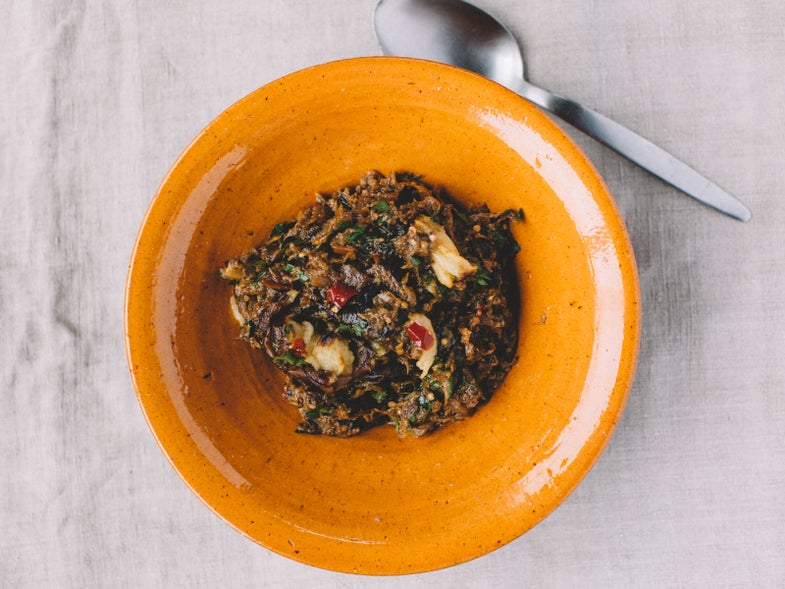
98,98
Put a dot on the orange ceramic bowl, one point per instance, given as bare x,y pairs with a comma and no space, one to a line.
377,504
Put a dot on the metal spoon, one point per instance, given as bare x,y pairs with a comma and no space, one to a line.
460,34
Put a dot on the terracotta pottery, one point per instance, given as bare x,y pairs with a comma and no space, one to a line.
377,504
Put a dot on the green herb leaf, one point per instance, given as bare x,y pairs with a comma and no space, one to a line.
513,214
380,396
381,206
354,328
341,226
482,277
316,413
498,236
281,228
290,358
294,240
450,387
355,233
297,272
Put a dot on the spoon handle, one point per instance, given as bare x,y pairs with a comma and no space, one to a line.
634,147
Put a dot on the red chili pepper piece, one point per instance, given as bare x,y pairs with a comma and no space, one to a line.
339,294
420,335
298,347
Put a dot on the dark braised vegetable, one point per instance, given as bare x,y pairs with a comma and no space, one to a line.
383,303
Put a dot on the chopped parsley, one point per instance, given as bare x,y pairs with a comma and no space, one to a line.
355,233
482,277
290,358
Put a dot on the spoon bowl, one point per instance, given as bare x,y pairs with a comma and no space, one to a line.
460,34
439,30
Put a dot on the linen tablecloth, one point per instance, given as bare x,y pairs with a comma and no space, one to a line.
98,99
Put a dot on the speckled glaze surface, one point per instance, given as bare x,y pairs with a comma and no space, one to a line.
377,504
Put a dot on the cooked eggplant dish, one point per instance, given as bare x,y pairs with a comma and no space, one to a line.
383,303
